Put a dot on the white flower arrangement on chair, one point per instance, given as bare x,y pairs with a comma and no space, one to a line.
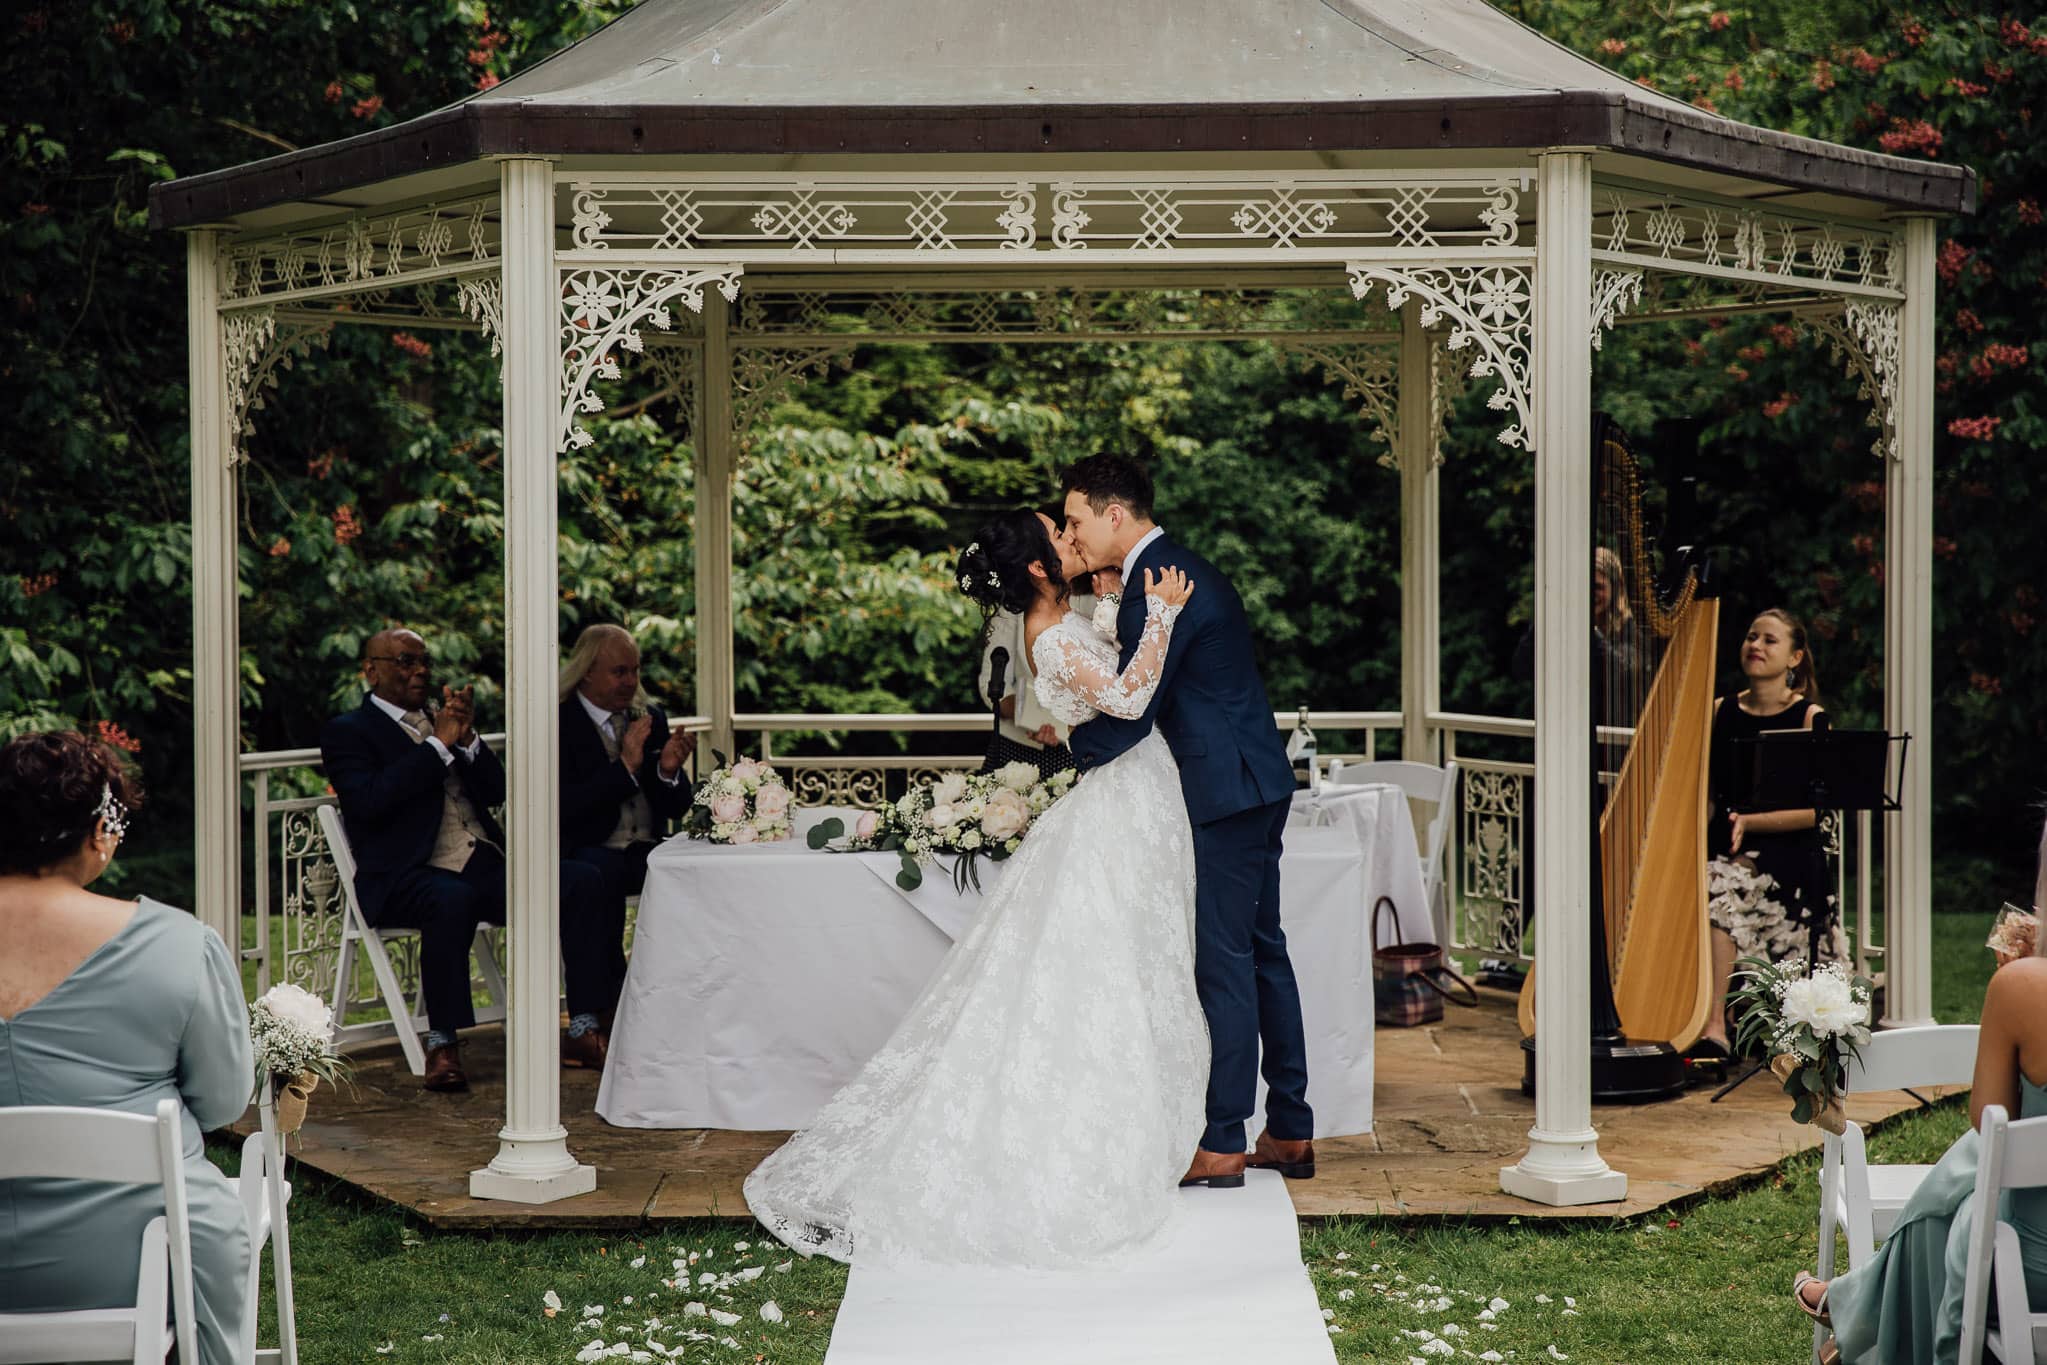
1811,1025
293,1033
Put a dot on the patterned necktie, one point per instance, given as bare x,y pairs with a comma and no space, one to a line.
420,726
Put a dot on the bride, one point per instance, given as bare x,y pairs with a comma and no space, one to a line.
1040,1101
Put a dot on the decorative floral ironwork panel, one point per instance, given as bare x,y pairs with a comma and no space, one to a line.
1491,832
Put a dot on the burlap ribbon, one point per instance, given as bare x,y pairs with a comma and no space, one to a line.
292,1096
1833,1115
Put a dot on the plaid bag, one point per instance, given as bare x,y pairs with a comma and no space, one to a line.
1406,985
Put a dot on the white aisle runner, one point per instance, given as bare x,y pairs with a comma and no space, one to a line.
1226,1286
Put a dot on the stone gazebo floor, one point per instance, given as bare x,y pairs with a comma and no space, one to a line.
1449,1107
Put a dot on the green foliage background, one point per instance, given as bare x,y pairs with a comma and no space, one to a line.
372,493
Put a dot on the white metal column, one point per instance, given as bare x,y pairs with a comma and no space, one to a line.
714,463
216,626
1908,648
1563,1165
532,1165
1421,542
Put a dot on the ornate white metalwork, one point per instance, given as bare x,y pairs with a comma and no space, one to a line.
865,788
735,215
730,213
1490,307
1371,377
764,374
1648,226
674,364
1490,877
1865,339
1615,289
1446,386
255,346
434,240
483,298
602,311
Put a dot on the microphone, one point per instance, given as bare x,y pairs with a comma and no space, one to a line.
998,667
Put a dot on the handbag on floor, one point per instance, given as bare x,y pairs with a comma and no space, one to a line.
1408,978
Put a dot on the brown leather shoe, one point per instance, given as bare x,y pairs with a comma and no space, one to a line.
588,1050
444,1070
1294,1160
1217,1170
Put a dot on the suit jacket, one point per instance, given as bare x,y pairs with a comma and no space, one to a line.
594,785
1210,704
392,798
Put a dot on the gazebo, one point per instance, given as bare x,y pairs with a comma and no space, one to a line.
736,192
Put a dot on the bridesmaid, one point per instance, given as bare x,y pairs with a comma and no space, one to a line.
1905,1303
109,1004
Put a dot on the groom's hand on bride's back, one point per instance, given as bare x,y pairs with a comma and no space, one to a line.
1170,586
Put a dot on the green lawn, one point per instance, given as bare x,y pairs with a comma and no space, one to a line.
1710,1283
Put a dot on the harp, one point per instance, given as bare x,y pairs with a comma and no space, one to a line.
1654,672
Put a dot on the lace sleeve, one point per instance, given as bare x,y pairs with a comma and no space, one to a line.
1075,670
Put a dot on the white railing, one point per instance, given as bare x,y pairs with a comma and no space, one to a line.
296,889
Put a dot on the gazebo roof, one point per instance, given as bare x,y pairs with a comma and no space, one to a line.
790,78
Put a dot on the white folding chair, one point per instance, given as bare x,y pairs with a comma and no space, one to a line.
1427,783
1856,1198
2013,1157
408,1020
251,1187
121,1149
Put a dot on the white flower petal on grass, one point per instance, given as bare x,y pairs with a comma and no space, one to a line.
1542,1298
431,1336
1345,1295
783,1269
1486,1315
694,1310
1570,1302
1492,1355
742,1246
1328,1314
627,1301
386,1349
752,1272
550,1303
707,1278
1499,1305
723,1318
592,1310
1436,1346
771,1311
1334,1329
1555,1354
638,1261
1570,1312
1451,1329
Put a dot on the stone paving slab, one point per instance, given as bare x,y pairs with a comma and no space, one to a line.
1450,1113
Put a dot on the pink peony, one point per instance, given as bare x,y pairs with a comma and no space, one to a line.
866,825
726,809
746,770
745,834
1005,815
771,803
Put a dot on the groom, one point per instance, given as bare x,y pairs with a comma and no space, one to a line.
1211,707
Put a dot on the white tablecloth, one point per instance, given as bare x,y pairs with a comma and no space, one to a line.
1377,814
764,976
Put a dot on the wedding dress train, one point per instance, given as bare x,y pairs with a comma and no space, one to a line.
1040,1101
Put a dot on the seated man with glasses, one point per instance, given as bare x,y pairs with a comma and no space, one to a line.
416,787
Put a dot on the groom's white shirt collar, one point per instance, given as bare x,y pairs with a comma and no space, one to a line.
1130,559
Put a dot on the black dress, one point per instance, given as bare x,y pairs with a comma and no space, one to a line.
1778,890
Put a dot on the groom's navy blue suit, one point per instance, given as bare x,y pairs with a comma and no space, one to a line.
1211,707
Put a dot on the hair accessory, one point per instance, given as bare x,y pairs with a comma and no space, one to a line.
111,813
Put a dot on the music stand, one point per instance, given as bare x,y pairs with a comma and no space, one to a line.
1822,770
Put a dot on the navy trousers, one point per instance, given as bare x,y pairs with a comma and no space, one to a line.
1245,981
447,906
621,872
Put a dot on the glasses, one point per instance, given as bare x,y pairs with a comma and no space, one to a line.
406,662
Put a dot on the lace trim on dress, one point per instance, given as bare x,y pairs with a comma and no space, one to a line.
1076,666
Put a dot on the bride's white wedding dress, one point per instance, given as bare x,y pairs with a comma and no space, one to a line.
1040,1101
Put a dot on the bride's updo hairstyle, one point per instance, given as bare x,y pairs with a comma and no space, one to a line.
995,570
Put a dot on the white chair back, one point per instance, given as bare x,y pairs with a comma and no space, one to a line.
1861,1201
2012,1155
120,1149
1436,787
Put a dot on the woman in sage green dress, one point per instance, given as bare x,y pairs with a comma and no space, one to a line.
109,1004
1905,1302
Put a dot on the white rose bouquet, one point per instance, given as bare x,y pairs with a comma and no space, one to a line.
740,803
1811,1025
969,815
293,1033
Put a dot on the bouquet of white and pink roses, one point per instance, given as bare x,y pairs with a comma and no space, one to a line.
1810,1027
741,803
972,816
